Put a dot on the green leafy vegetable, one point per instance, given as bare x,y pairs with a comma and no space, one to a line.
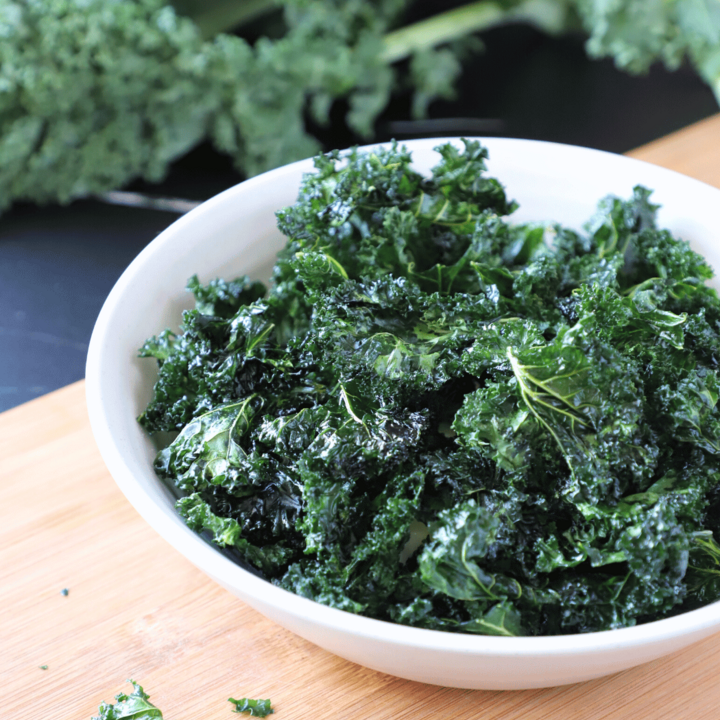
438,418
135,706
96,93
256,708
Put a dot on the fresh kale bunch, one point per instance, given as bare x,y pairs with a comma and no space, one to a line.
97,93
438,418
94,93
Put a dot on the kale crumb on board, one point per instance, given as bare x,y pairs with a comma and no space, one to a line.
249,706
440,418
137,706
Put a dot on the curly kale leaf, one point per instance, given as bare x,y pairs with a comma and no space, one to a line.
451,559
637,33
219,357
690,409
337,468
398,223
197,371
223,299
704,568
135,706
208,449
391,341
226,532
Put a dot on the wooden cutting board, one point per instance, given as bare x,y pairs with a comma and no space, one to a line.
136,609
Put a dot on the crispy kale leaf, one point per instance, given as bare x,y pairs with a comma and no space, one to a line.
438,418
135,706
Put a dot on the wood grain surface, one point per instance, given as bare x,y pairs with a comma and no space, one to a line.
136,609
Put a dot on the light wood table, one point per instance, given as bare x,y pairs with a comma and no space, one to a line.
137,609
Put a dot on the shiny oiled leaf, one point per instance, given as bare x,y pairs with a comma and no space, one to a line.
453,559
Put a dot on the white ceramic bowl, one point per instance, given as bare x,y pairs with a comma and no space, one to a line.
235,233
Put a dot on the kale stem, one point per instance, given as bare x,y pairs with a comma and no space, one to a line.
225,15
548,15
440,29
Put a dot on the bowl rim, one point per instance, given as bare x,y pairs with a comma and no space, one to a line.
228,573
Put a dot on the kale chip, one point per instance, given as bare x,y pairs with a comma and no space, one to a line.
439,418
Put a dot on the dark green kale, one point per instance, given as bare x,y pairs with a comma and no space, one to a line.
439,418
256,708
135,706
